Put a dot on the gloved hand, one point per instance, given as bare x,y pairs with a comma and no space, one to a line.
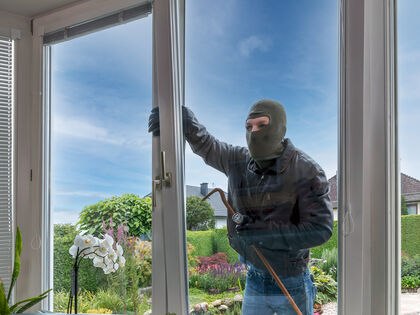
154,126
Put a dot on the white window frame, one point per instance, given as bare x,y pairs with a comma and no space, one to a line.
369,226
168,278
369,207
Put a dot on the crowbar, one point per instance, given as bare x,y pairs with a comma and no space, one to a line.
257,250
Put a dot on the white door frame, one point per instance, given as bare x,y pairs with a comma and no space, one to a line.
369,214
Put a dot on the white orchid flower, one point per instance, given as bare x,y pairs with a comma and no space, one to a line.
107,271
73,251
79,241
112,255
119,250
99,262
109,239
90,240
103,248
122,261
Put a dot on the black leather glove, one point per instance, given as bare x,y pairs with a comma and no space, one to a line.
154,127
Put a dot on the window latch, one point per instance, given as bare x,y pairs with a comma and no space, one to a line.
164,180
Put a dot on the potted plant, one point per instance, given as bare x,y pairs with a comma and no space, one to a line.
19,307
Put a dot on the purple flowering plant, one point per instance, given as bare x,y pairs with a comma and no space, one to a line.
218,278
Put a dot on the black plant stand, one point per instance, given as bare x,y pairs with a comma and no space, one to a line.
73,289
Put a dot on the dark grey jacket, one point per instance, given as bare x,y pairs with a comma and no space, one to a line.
289,201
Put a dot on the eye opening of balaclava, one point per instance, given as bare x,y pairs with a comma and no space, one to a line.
267,143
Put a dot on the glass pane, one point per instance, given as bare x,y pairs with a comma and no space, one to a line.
238,53
409,113
100,175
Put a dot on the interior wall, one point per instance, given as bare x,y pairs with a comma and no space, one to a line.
28,220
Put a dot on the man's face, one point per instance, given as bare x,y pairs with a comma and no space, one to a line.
255,124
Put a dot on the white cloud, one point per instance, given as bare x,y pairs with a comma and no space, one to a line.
248,45
78,127
81,128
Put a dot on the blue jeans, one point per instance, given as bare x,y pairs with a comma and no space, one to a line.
263,296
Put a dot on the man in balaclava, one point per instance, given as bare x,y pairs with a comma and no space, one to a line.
281,199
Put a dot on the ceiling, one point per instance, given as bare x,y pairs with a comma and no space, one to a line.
32,8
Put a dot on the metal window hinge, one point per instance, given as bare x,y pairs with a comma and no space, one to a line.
164,180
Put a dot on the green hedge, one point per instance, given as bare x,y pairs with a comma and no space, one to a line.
316,252
221,245
202,241
410,235
207,243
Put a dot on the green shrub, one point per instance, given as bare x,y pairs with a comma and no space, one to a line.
330,262
410,236
221,245
410,266
90,277
202,242
136,212
410,282
200,215
326,285
316,252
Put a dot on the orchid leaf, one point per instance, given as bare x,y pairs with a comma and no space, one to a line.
16,267
4,308
37,299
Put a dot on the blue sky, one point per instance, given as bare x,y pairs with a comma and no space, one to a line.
237,52
409,85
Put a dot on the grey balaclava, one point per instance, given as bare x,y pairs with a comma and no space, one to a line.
267,143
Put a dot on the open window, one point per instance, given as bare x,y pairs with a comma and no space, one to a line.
367,170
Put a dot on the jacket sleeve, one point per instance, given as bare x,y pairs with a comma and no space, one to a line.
215,153
315,224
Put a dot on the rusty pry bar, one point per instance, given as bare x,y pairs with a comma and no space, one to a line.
260,255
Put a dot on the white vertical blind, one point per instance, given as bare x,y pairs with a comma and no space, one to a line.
6,158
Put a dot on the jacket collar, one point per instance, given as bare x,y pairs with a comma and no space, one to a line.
281,162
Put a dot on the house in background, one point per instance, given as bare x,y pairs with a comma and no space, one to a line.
410,189
220,211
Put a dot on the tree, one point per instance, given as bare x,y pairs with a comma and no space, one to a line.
404,209
200,215
128,209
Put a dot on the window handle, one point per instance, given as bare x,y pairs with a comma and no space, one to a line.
159,181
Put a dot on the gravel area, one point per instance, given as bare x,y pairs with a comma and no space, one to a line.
410,305
329,308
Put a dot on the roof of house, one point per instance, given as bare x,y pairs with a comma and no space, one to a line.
410,189
214,200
